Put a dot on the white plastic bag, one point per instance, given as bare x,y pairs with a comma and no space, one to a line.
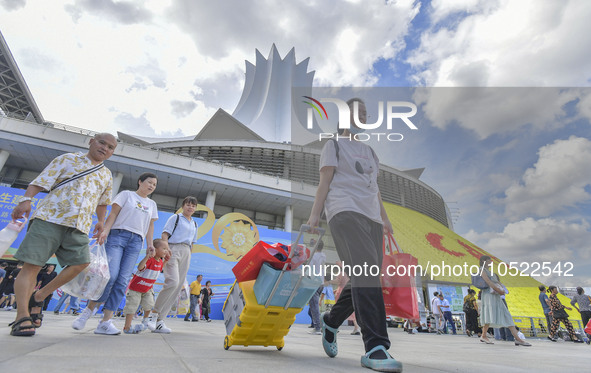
91,282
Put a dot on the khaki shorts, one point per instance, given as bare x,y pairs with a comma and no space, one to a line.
43,239
133,299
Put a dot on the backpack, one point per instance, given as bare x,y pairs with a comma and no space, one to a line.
177,223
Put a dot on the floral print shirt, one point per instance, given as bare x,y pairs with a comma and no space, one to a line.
555,304
72,204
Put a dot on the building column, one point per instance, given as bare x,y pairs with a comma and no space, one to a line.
117,179
288,219
210,200
3,158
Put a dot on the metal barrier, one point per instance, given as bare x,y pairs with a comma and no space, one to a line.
529,326
537,326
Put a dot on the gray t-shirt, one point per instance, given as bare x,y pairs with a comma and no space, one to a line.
354,186
583,301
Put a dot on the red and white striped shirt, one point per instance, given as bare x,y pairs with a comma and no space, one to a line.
145,279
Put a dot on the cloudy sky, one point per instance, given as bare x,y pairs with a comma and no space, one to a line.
512,161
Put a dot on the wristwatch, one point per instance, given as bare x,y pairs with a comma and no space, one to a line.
23,199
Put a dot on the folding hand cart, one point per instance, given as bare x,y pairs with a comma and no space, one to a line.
249,323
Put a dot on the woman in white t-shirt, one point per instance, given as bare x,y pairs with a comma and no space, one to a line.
130,221
349,195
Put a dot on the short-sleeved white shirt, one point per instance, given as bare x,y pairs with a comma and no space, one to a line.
185,232
435,302
354,186
136,212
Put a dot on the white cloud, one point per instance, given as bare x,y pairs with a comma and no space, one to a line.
125,12
506,43
344,40
556,181
544,240
117,57
441,9
12,4
487,111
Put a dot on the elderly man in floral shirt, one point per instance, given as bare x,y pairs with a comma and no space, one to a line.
78,185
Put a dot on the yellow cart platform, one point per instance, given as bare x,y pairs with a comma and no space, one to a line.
251,324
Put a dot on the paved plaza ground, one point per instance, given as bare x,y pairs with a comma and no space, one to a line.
198,347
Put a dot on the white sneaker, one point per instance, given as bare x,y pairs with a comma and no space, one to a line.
8,308
148,324
161,328
107,327
81,320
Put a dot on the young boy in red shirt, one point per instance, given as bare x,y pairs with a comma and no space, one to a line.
140,287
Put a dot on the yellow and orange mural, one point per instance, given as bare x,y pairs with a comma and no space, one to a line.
433,244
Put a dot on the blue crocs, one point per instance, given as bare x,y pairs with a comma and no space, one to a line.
386,365
330,348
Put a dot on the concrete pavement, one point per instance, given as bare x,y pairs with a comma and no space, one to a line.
198,347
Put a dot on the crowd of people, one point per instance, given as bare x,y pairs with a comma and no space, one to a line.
487,311
60,226
347,194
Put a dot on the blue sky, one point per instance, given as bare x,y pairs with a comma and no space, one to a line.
513,160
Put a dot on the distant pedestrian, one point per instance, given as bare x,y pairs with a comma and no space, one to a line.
559,315
471,310
8,289
584,302
445,309
437,314
74,304
493,311
43,278
205,300
3,266
545,302
195,294
317,265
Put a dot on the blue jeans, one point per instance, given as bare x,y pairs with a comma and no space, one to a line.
315,309
123,249
74,303
448,318
194,305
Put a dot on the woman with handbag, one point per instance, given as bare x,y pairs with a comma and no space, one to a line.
559,314
471,311
494,312
349,195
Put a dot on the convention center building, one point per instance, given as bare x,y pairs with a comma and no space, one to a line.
244,169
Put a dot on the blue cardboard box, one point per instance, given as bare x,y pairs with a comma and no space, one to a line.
269,275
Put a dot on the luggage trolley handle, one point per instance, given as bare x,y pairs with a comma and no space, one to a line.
303,228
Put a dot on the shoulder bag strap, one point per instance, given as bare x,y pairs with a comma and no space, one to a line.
78,176
175,224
